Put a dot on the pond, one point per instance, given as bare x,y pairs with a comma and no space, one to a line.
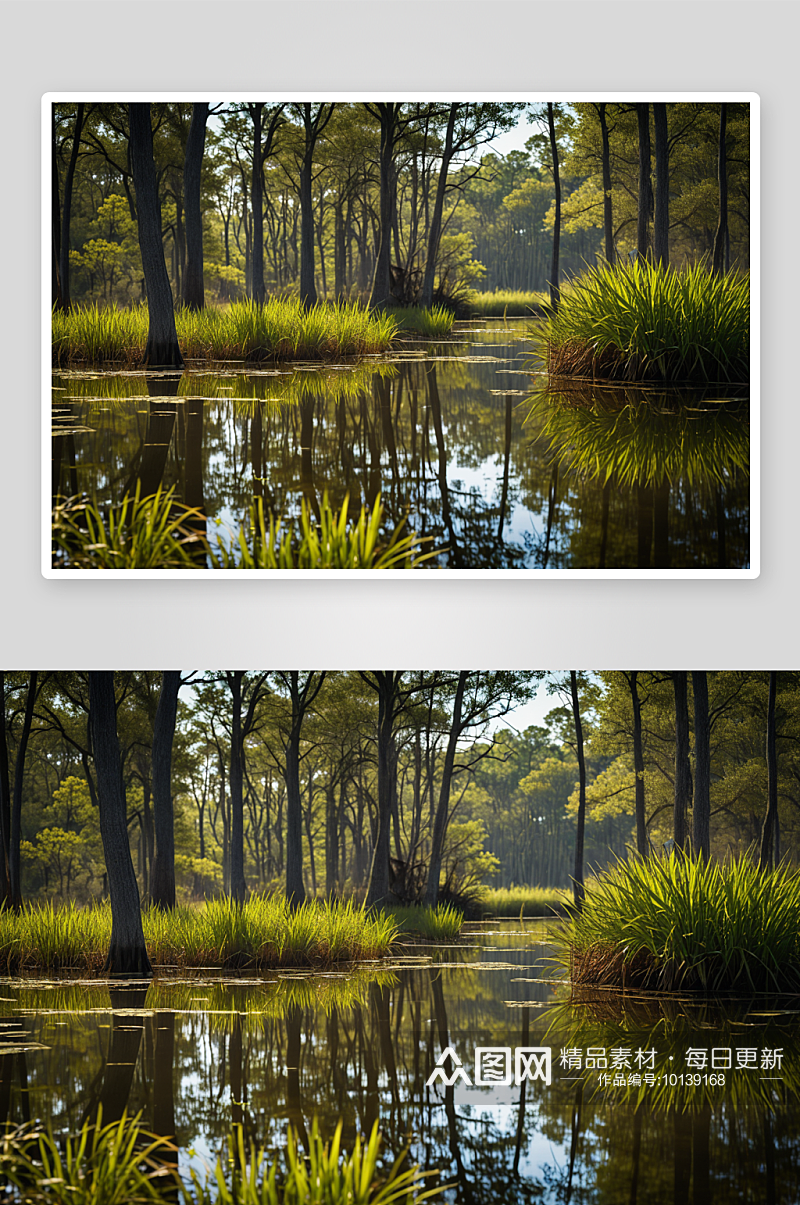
463,440
198,1054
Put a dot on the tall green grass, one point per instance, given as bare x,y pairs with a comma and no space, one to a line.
507,303
682,924
123,1164
643,322
524,901
141,533
281,329
441,923
264,932
435,322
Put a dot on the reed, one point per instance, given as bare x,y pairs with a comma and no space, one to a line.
281,329
441,923
642,322
124,1163
507,303
432,323
683,924
155,532
524,901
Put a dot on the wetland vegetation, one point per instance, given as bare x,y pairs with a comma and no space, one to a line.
247,234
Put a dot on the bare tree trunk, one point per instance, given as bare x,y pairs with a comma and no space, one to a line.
295,888
162,875
661,223
16,808
378,888
238,885
193,290
638,766
578,888
381,284
766,856
683,777
701,812
721,235
608,221
55,217
435,233
66,215
5,802
555,293
440,820
162,350
645,186
127,953
258,292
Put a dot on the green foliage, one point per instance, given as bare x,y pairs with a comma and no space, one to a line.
263,932
684,924
141,533
282,329
433,323
122,1162
524,901
641,322
331,543
442,923
506,303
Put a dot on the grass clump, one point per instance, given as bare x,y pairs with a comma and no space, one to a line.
123,1163
507,303
643,322
264,932
680,924
281,329
433,323
524,901
441,923
155,532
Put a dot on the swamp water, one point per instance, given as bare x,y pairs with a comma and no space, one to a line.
198,1054
462,439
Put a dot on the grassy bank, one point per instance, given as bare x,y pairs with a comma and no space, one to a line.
157,532
442,923
640,322
524,901
279,330
264,933
433,323
124,1164
507,303
677,924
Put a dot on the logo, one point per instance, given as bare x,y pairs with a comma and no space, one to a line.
493,1065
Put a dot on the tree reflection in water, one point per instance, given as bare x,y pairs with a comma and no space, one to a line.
465,457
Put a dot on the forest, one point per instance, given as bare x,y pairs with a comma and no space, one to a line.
394,787
257,199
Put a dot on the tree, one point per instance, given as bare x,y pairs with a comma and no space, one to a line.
701,812
193,290
638,765
767,851
608,221
301,698
683,774
16,807
5,802
645,193
262,149
247,691
162,350
127,954
661,220
387,685
578,887
162,875
313,126
719,255
66,213
555,295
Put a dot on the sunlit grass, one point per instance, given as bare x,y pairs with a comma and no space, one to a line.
435,322
124,1164
523,901
263,932
441,923
683,924
281,329
643,322
507,303
155,532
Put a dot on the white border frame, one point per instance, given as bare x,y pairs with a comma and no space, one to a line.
751,98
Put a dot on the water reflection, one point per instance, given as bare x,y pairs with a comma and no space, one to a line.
199,1055
446,437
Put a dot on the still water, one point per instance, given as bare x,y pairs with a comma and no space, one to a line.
465,440
199,1054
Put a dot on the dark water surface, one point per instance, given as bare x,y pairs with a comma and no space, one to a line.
199,1054
446,435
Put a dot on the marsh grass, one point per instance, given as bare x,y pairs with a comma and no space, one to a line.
281,329
524,901
680,924
435,322
643,322
263,933
442,923
155,532
507,303
124,1163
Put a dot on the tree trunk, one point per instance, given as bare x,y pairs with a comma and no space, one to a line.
683,777
5,802
608,222
766,856
295,889
66,215
162,875
721,235
127,953
701,814
162,350
258,292
378,888
645,186
435,233
193,291
308,288
381,284
440,820
638,767
238,885
661,222
577,885
555,293
16,808
55,217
